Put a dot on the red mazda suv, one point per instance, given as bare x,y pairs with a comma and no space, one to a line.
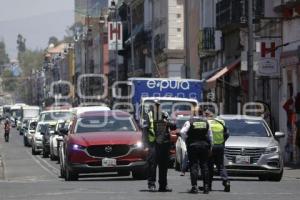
103,141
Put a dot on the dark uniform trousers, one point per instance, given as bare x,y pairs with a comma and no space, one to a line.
198,156
158,155
217,159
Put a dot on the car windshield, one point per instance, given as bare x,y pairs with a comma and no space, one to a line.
104,124
57,116
180,122
242,127
33,125
52,127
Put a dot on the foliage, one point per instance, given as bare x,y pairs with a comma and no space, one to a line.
21,42
9,82
3,55
31,60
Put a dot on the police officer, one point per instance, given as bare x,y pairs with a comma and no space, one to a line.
158,141
199,143
220,135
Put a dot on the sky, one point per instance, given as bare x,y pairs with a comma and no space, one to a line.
36,20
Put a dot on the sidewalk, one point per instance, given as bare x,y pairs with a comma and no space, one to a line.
292,171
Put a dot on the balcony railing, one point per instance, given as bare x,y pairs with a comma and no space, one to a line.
210,40
233,12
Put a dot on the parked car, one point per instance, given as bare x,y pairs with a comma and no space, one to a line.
37,139
47,132
23,126
55,115
29,131
103,141
252,149
55,137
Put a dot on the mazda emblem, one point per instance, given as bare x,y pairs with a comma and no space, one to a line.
108,149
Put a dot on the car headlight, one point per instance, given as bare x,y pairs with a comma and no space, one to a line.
77,147
274,149
138,145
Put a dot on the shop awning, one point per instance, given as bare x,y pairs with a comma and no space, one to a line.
211,82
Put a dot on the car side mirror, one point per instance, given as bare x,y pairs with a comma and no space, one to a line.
279,135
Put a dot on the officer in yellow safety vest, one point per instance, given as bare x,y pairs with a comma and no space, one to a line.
158,142
220,135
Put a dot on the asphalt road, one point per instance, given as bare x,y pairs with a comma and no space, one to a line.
32,177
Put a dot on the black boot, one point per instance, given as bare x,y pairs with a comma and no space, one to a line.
206,189
226,185
194,190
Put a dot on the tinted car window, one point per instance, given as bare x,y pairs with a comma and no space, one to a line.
104,124
242,127
33,125
180,122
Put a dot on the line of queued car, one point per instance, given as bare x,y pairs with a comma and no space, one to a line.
96,139
88,140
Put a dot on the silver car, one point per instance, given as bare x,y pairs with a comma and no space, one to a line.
252,149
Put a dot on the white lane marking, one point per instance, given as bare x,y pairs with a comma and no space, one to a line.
64,193
53,169
40,164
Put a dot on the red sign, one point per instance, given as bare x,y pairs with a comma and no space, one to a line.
268,50
115,30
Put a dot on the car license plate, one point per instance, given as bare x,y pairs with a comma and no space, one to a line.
242,159
108,162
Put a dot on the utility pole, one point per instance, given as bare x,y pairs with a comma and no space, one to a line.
114,8
152,39
132,41
250,51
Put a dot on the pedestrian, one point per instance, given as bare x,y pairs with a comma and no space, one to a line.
158,141
220,135
6,129
199,143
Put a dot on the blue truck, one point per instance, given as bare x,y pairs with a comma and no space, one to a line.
173,94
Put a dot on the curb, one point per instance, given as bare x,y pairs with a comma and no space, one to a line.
1,169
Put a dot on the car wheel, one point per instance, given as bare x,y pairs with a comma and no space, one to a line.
52,157
276,177
45,154
140,173
62,169
25,142
33,151
123,173
70,176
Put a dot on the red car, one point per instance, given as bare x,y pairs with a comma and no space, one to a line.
104,141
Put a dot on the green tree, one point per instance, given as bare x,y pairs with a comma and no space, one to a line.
31,60
21,45
3,55
9,82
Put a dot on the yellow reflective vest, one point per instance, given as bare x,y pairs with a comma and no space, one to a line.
218,131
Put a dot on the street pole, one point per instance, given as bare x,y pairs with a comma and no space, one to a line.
152,39
250,51
116,59
132,44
